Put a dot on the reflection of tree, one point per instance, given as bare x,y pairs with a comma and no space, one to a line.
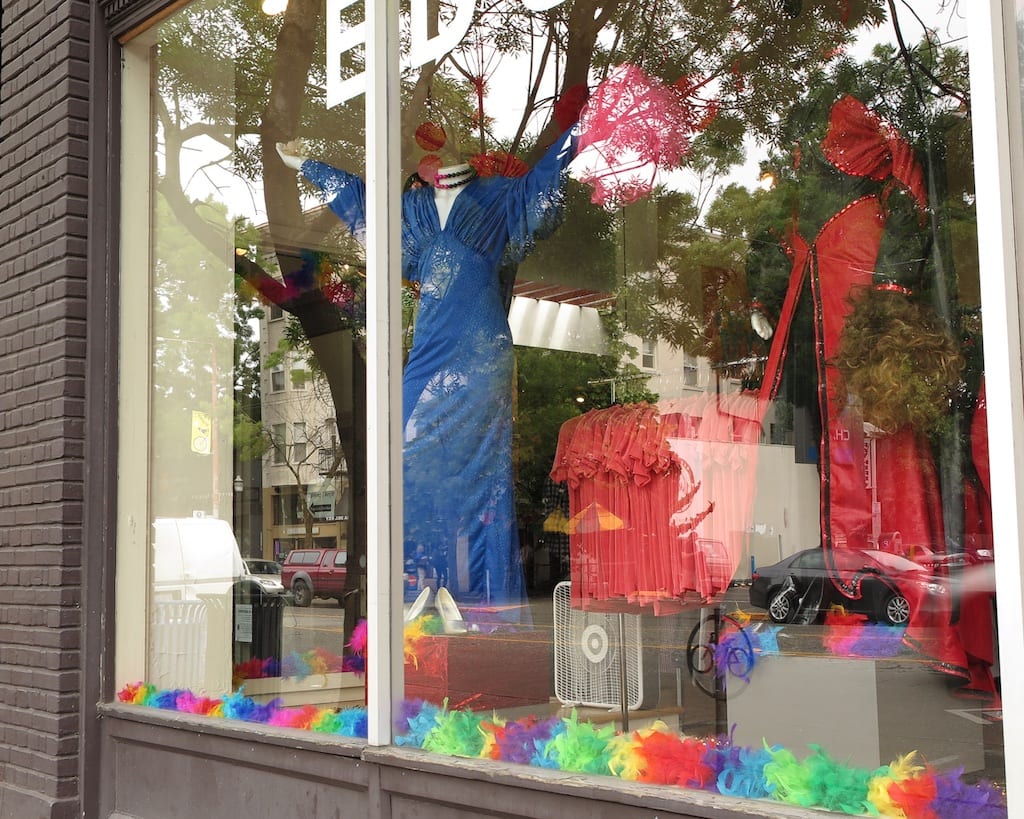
921,91
732,248
754,57
194,313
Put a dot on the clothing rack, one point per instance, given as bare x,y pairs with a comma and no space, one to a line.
660,500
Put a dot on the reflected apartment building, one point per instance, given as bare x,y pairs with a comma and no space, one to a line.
303,469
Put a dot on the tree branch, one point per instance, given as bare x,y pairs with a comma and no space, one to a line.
535,88
911,62
586,19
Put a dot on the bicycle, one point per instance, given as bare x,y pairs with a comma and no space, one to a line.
719,649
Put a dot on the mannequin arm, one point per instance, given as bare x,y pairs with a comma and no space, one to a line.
289,153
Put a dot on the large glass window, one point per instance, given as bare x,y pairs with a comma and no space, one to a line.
793,552
694,445
243,366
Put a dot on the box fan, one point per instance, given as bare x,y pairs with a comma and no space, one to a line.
595,652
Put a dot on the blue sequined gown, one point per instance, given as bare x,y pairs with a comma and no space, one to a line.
457,383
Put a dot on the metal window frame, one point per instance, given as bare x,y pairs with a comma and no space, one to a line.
999,172
384,368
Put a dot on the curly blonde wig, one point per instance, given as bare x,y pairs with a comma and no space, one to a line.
899,361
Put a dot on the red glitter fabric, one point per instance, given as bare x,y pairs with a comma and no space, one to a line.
499,163
860,144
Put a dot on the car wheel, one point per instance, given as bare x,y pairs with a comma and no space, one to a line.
303,593
781,606
895,609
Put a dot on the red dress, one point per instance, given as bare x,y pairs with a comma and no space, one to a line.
871,488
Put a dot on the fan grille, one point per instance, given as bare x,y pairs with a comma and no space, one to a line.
587,650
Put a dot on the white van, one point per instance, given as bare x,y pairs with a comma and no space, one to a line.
194,558
195,562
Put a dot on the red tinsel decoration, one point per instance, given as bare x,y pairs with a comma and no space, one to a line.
674,760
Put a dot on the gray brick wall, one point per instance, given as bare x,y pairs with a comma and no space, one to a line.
44,110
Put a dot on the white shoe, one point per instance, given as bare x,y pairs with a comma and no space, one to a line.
449,611
418,605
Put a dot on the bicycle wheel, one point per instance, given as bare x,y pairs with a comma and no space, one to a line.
700,657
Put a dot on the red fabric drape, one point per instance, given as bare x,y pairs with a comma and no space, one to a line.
860,144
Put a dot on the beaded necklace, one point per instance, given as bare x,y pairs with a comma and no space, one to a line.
455,179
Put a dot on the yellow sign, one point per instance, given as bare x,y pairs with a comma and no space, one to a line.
202,433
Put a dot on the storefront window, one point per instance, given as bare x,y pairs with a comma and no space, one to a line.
763,582
243,301
694,447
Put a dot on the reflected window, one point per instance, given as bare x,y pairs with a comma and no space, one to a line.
278,443
298,442
647,354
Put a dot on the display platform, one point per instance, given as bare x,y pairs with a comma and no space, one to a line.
482,671
335,690
866,712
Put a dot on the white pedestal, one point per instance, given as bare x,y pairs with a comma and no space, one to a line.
863,713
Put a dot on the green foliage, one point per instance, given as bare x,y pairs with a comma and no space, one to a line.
252,438
756,58
554,386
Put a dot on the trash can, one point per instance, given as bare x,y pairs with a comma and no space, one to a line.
256,623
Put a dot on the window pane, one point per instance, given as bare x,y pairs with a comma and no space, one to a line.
256,351
731,318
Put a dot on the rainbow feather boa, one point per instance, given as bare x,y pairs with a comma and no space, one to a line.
905,788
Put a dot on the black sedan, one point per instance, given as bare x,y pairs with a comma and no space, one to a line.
885,587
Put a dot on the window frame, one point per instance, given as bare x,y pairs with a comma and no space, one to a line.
279,435
999,171
648,353
278,382
383,369
300,442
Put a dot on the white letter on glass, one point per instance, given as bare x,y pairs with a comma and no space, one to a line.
425,48
338,42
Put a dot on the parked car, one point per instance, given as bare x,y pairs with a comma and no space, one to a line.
887,588
266,573
310,573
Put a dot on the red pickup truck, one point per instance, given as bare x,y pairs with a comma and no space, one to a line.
313,573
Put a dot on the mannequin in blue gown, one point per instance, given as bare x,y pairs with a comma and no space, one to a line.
457,383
